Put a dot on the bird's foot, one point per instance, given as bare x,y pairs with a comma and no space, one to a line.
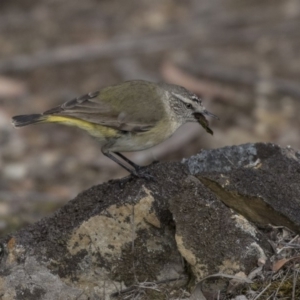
141,172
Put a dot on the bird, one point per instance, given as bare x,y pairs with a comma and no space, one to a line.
129,116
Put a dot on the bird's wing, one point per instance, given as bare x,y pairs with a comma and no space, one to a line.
131,106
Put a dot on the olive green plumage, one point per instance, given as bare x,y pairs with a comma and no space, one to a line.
130,116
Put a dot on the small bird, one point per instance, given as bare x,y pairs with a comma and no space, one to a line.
131,116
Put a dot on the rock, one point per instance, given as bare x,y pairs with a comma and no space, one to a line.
140,239
259,181
211,237
106,239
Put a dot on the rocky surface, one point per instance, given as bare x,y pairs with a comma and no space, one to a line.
157,239
260,181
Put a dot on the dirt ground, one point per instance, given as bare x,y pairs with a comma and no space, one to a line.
241,57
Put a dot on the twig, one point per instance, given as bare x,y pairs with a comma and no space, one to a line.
254,273
294,283
242,279
283,279
291,241
291,245
262,291
143,285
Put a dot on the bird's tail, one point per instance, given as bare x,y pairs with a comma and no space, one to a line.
23,120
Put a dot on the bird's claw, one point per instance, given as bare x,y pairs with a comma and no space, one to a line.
142,173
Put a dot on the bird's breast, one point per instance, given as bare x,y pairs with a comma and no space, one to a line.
129,141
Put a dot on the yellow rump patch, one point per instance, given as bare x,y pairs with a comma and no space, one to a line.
92,128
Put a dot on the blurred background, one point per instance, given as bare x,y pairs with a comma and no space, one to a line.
242,57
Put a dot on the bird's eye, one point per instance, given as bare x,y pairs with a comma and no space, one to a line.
189,106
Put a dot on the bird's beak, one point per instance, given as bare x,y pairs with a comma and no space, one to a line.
209,114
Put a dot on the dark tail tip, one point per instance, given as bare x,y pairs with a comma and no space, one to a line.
23,120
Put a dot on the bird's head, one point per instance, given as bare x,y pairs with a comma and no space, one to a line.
189,106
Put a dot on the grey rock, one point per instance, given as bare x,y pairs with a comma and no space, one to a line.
121,237
260,181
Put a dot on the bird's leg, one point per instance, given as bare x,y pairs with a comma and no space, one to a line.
109,155
136,167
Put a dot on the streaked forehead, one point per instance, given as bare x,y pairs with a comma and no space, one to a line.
177,89
186,96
